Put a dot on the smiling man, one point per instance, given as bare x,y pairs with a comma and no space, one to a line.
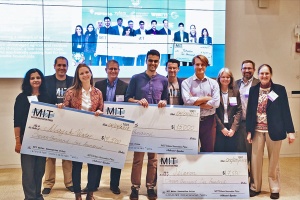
57,84
200,90
175,97
147,88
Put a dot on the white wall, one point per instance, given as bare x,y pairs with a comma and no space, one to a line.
262,35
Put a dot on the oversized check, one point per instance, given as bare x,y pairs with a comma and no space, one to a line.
116,45
185,52
203,176
76,135
173,129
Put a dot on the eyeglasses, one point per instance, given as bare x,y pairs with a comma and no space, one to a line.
155,61
247,68
112,69
61,65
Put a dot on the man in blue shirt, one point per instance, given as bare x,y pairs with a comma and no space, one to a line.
147,88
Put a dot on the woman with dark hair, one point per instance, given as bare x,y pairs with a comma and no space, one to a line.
269,121
205,38
33,167
90,43
193,34
83,96
228,114
78,45
128,61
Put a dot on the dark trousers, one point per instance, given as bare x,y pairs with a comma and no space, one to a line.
225,143
33,169
115,175
207,132
76,176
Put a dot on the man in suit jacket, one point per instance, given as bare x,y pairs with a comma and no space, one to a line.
113,89
165,30
153,30
56,85
243,85
140,60
181,35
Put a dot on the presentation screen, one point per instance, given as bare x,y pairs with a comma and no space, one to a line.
35,32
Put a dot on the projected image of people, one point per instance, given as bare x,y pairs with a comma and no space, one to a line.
90,39
205,38
78,46
129,32
193,34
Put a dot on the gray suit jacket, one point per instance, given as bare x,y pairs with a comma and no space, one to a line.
120,89
234,112
238,82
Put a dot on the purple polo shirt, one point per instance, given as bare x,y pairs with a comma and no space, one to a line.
153,88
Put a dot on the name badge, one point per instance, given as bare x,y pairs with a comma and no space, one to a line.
272,96
79,46
119,98
232,101
32,98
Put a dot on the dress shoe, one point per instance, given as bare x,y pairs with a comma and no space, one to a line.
78,196
90,196
151,194
253,193
274,196
70,188
46,191
134,193
115,190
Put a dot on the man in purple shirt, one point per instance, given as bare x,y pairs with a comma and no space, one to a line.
146,88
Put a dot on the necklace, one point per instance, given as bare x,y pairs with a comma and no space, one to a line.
224,92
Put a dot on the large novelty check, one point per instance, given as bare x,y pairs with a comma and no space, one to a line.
203,176
76,135
173,129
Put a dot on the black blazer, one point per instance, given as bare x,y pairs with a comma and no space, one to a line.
234,112
151,31
278,113
201,40
120,89
177,37
163,32
51,86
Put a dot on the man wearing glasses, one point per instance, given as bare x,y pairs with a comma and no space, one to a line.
147,88
244,84
56,85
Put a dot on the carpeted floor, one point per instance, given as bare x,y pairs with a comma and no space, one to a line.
11,187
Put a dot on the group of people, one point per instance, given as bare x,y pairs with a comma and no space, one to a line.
84,43
234,115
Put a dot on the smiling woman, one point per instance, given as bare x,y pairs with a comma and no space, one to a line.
33,167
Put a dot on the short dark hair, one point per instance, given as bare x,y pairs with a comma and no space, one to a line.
112,61
153,52
164,20
119,19
193,26
265,65
202,58
141,22
181,24
153,21
26,87
248,61
172,60
61,57
106,18
130,21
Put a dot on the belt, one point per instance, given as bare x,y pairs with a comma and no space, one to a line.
202,118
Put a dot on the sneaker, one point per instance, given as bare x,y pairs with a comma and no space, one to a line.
151,194
70,188
274,196
115,190
134,193
46,191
